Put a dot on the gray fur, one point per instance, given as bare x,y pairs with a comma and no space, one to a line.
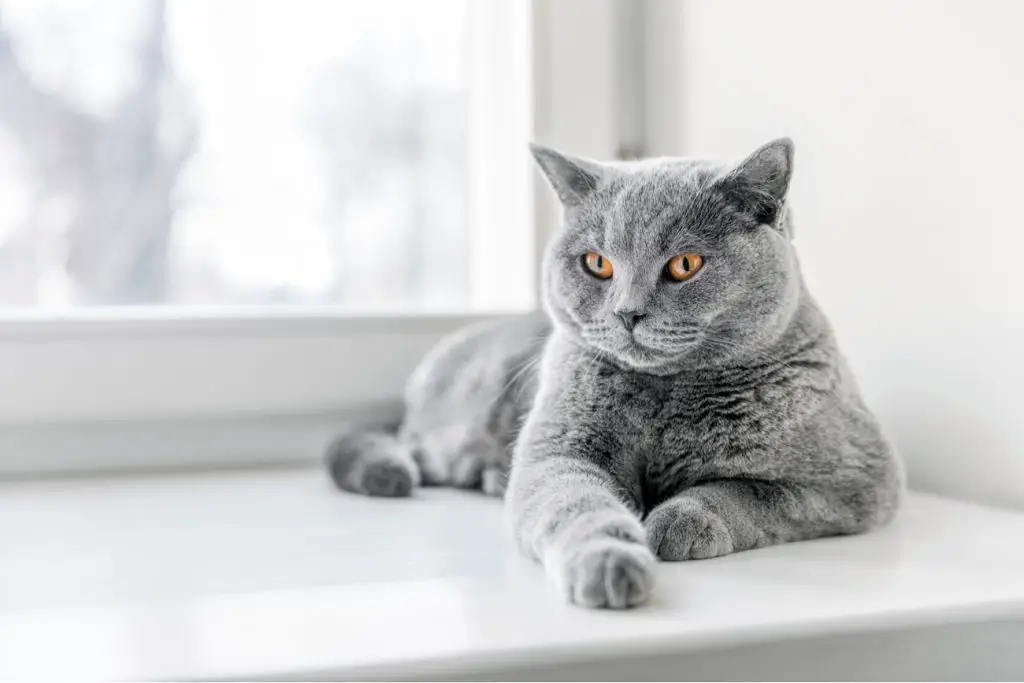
724,420
464,405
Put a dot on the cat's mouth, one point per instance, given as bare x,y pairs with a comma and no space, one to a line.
641,354
641,348
664,345
650,349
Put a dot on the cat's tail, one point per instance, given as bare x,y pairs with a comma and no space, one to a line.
374,461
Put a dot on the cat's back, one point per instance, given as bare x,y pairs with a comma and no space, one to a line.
475,366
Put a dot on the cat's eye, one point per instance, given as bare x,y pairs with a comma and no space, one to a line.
684,266
597,265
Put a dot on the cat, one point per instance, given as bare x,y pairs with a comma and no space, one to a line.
682,398
464,405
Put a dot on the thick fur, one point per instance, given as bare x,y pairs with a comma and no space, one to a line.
464,406
724,419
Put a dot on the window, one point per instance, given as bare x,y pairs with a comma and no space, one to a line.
226,227
241,152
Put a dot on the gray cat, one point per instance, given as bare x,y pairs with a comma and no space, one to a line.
690,401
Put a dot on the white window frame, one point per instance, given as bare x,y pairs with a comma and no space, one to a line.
124,389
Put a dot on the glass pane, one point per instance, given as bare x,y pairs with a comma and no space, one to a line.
233,152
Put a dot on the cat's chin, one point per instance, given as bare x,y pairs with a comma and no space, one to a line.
635,356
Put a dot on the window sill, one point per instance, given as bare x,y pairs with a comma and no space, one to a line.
272,574
143,391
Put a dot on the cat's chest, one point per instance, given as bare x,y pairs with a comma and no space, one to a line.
665,421
651,404
677,434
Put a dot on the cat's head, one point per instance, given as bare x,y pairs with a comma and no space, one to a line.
670,263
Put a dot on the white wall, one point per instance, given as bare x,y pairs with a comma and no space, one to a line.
575,71
909,123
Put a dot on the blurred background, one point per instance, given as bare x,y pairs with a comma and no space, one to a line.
167,152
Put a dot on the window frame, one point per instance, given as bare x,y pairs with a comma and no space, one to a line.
138,388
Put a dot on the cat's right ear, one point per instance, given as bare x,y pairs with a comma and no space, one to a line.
572,179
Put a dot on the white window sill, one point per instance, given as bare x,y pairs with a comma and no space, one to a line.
273,574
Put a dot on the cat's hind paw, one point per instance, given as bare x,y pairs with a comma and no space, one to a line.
608,572
683,529
373,464
387,479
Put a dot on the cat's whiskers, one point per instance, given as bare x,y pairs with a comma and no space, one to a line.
685,336
593,363
531,362
669,338
682,326
595,333
528,364
675,345
729,344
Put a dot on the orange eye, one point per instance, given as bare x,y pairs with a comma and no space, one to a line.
598,265
684,266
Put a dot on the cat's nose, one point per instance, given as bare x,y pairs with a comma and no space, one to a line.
629,318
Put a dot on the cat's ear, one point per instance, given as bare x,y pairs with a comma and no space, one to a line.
572,179
760,182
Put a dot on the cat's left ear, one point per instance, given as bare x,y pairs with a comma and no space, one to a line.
760,182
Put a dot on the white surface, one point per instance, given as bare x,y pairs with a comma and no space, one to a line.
907,121
276,574
576,71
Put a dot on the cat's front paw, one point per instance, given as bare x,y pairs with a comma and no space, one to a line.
683,529
609,572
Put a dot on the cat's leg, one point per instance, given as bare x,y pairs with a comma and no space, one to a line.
725,516
571,515
494,481
454,455
467,456
483,464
